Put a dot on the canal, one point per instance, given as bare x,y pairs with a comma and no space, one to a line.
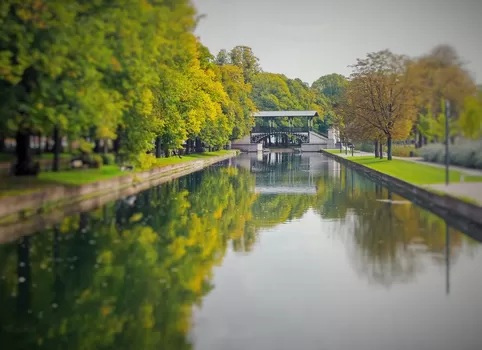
274,251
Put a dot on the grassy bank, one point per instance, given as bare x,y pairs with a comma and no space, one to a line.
419,174
11,186
9,157
337,151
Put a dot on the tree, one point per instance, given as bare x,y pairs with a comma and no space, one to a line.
433,126
332,86
381,95
243,57
439,75
222,58
46,70
470,121
240,107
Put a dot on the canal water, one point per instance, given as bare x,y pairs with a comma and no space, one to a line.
274,251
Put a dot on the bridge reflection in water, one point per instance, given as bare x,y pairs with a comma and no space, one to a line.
288,173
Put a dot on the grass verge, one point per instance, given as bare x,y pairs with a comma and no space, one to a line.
81,176
13,186
419,174
337,151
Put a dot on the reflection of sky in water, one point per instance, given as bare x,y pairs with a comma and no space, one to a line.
351,274
299,288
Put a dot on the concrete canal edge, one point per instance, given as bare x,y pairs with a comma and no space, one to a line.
440,204
21,206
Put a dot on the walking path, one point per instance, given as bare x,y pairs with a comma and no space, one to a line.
470,190
468,171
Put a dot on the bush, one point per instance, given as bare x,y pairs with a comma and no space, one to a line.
463,154
108,158
366,147
478,159
146,161
466,154
97,161
404,150
430,152
85,146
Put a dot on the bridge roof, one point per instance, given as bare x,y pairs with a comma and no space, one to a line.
270,114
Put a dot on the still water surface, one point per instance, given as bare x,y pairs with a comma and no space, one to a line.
280,251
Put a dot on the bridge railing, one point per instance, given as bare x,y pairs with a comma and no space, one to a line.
267,129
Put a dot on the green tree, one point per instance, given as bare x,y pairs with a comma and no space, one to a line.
244,58
470,121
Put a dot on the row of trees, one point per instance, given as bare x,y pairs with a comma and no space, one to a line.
275,92
390,97
130,73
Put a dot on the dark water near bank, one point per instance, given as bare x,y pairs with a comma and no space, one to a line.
285,251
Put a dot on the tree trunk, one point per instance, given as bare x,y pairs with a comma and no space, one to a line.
381,150
341,146
39,149
56,141
389,148
56,162
47,145
419,142
24,165
158,147
376,149
97,147
199,148
106,146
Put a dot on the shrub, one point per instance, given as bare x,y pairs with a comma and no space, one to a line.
108,158
478,159
403,150
430,152
466,154
146,161
463,154
85,146
366,147
97,161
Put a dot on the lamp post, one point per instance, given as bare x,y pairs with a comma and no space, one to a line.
447,259
447,116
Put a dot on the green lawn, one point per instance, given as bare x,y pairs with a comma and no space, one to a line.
8,157
419,174
81,176
51,156
337,151
191,157
10,186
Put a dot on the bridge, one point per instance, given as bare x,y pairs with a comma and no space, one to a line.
267,133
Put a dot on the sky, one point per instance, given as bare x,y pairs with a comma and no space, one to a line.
309,38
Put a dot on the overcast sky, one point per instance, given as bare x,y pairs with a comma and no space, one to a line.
309,38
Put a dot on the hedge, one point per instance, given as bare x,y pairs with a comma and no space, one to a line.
467,154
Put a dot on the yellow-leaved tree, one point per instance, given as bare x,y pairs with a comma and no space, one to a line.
381,96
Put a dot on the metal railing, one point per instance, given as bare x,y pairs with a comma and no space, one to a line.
284,129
